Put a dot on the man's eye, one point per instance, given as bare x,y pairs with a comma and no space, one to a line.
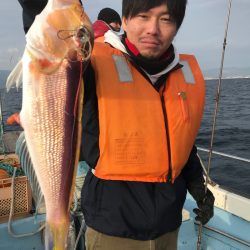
142,16
166,19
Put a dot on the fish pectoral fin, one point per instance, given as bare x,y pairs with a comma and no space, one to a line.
14,119
15,76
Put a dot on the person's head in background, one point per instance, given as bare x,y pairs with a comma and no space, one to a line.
111,17
152,25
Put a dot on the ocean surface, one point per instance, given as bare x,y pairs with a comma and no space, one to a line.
232,130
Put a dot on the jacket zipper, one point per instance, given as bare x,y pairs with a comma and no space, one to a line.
169,175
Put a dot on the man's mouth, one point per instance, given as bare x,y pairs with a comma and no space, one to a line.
152,43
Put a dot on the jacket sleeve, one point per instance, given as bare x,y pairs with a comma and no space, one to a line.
193,169
90,123
31,8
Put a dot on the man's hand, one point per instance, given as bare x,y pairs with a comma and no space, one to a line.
204,200
205,210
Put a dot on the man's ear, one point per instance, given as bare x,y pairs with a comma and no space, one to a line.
124,24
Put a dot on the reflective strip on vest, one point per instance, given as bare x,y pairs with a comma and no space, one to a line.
187,72
122,68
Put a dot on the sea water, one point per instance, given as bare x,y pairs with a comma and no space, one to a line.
231,135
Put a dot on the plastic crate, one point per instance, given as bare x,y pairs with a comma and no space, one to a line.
22,197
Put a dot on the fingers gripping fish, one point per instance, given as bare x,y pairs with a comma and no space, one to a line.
58,42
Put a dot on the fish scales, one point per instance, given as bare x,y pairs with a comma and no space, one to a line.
50,138
48,130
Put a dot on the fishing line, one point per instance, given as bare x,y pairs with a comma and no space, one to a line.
2,147
82,229
215,116
82,36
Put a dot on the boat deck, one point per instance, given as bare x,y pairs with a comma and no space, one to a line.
224,231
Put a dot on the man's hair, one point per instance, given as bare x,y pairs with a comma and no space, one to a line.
176,8
109,15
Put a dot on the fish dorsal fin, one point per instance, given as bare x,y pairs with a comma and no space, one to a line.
15,76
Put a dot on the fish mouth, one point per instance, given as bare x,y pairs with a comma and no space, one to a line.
81,43
85,43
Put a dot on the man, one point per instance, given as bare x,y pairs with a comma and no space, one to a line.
142,111
108,19
111,17
143,106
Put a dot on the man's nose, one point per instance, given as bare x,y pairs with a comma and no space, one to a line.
153,26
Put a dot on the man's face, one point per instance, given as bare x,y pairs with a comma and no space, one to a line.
151,32
115,26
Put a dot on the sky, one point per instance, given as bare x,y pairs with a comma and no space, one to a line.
202,32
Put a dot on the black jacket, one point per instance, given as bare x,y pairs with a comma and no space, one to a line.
135,210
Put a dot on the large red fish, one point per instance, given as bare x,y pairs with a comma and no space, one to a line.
59,40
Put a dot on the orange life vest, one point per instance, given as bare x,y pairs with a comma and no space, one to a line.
100,39
135,139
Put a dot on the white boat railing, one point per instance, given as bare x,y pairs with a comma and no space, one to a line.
226,199
220,154
243,242
225,155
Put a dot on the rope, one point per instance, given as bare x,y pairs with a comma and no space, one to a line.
215,116
23,171
12,211
27,166
8,164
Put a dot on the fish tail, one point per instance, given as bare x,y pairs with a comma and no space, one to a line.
56,236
